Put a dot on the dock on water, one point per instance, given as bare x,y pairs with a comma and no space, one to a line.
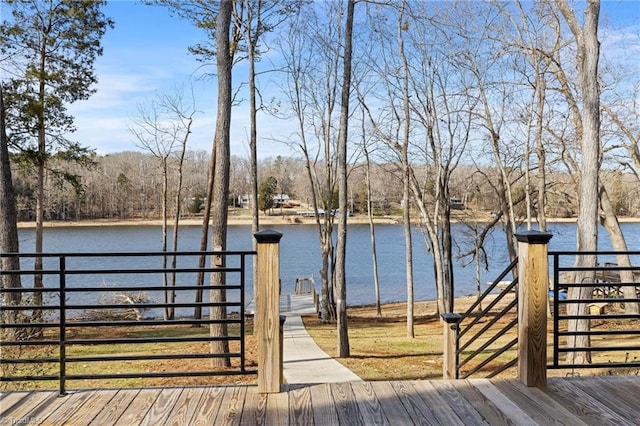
291,305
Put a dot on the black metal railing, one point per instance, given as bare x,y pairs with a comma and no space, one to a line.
120,311
607,307
483,335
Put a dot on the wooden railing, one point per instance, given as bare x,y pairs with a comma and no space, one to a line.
60,332
531,295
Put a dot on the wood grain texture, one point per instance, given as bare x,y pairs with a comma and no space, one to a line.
35,405
414,404
324,412
603,400
267,318
300,408
451,397
87,412
582,404
231,408
115,408
140,405
185,407
277,409
392,407
210,401
64,408
345,404
533,294
503,402
368,403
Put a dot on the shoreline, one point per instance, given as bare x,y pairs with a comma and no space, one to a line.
234,220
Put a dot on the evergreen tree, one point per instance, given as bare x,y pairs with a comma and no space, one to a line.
266,191
49,49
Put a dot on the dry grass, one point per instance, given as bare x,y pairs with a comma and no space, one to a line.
381,350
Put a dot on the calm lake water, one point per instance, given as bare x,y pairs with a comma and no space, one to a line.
300,254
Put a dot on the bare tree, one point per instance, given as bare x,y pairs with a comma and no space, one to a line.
341,253
220,175
162,128
311,54
587,56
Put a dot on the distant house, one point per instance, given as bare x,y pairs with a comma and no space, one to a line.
457,204
244,201
280,200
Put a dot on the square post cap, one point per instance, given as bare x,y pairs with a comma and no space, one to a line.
451,317
534,237
267,236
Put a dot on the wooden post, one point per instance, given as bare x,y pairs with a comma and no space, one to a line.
267,316
451,327
533,296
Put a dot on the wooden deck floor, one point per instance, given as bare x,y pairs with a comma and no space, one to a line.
613,400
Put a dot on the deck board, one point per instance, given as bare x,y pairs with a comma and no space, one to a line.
300,407
231,408
582,404
185,407
117,405
10,400
26,406
370,408
453,398
277,409
210,403
92,405
391,405
515,414
539,406
345,404
602,400
164,403
445,413
323,413
62,409
414,404
479,402
139,407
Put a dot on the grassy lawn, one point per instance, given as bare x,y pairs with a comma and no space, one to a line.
129,367
381,350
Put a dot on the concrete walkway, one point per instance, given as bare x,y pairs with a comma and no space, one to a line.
305,362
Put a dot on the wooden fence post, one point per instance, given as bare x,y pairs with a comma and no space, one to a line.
451,328
533,296
267,316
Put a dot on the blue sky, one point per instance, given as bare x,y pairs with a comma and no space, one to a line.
146,53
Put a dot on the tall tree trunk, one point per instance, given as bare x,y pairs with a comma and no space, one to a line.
178,210
221,178
406,194
587,230
204,232
42,154
372,228
343,206
618,242
168,310
9,242
542,173
253,142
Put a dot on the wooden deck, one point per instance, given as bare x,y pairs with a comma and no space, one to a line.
612,400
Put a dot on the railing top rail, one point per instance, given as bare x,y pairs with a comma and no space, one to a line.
592,253
134,254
